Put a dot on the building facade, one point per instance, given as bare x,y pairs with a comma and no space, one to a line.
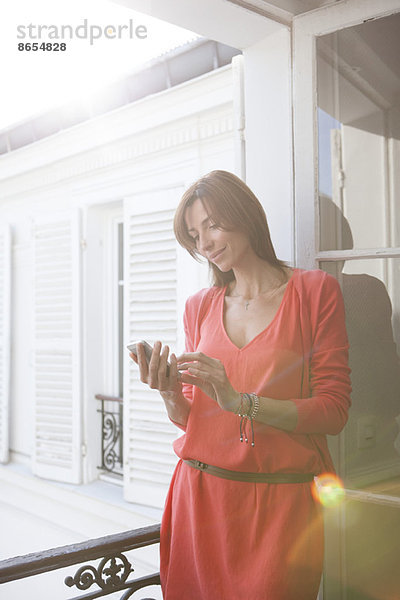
89,262
309,117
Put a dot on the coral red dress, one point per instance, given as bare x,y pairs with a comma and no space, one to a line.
232,540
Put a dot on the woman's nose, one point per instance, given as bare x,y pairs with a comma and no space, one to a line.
205,242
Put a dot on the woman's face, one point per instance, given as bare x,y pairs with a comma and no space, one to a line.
226,249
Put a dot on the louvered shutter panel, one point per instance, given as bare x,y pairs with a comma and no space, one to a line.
150,314
57,352
5,296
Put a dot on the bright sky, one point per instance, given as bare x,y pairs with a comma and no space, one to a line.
33,82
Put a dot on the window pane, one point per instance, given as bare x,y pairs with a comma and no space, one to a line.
358,89
371,291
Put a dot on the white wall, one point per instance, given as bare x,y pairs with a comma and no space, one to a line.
177,135
269,151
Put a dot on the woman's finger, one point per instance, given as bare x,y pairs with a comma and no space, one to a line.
173,369
196,356
187,378
162,369
142,362
202,384
199,372
154,366
184,366
211,370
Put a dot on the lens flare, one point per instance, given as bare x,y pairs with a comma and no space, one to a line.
328,489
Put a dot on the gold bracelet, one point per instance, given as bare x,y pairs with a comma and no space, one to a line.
250,413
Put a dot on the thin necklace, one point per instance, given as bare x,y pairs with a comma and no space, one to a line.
271,293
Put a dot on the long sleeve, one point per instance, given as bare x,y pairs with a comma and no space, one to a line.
188,326
326,409
195,309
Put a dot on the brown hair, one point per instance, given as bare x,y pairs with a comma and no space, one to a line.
232,206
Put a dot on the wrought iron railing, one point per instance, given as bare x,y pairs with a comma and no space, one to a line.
111,575
112,458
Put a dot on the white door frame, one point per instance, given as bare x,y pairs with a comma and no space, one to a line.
306,28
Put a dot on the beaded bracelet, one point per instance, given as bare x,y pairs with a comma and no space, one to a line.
256,406
249,414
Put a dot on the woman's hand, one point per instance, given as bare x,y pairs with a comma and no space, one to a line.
169,385
156,373
210,376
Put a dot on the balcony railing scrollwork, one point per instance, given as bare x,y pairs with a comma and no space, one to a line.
111,434
111,575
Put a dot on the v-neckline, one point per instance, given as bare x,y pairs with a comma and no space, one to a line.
266,328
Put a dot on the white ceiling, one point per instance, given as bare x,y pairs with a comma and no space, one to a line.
213,18
295,7
282,10
225,21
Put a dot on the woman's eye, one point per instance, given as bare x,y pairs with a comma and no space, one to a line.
214,226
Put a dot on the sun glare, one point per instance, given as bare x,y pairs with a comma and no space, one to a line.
39,80
328,489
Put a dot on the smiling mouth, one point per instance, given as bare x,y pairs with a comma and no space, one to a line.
216,254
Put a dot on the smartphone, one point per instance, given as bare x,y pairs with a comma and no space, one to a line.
132,347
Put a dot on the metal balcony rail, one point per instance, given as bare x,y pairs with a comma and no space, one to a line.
112,422
111,575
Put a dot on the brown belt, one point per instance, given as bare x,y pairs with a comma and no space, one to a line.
250,477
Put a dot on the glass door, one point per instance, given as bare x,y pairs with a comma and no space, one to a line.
351,229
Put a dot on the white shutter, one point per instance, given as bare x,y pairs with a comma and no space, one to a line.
150,314
5,295
57,352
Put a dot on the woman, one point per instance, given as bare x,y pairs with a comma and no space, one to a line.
264,378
